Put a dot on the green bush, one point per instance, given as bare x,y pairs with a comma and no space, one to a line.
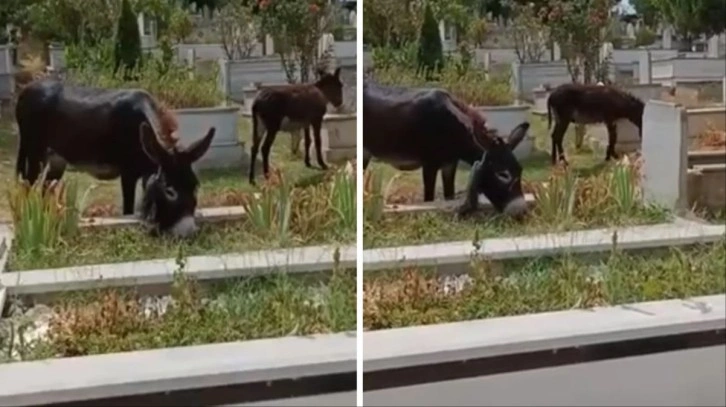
175,85
127,53
430,51
471,86
644,36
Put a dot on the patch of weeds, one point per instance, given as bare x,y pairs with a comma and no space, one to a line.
418,296
119,320
280,216
44,214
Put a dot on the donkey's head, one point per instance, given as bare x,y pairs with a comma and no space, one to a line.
498,175
331,86
169,199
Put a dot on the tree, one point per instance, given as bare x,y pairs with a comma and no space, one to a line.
296,27
529,34
388,23
127,52
648,11
238,28
692,18
430,52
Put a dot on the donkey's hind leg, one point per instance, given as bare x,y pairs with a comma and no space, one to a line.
612,140
318,144
558,133
258,130
267,146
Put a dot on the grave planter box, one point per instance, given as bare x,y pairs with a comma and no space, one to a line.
248,96
226,150
505,119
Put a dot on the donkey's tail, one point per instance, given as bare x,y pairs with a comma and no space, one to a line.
255,126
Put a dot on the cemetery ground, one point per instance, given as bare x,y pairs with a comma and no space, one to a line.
300,207
589,185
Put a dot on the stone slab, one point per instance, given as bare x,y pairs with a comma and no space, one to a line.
149,272
586,241
444,205
391,348
215,214
665,154
128,373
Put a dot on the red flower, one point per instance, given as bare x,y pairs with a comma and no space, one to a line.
314,8
263,4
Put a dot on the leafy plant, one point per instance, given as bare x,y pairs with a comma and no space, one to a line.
556,198
373,198
44,216
343,197
269,211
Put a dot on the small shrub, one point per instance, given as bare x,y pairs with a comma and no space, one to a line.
44,216
269,212
343,196
556,198
470,85
644,36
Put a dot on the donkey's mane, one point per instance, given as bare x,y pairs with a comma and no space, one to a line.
629,96
169,123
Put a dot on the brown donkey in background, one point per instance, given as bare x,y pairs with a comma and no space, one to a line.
591,104
290,108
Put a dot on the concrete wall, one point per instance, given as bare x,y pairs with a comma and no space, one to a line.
672,71
7,82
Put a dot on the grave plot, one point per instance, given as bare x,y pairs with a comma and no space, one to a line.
565,201
278,216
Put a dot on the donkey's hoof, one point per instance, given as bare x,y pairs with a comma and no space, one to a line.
323,167
307,164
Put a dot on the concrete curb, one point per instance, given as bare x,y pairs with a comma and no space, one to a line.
148,272
181,368
587,241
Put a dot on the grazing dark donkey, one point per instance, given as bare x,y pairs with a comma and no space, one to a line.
590,104
430,129
111,133
291,108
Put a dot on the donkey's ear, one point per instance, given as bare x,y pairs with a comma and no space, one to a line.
517,135
150,145
337,73
197,149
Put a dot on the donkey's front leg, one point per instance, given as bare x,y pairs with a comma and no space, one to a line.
471,200
448,179
318,143
429,180
307,147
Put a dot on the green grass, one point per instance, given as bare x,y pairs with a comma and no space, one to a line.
437,226
417,296
113,320
218,187
113,245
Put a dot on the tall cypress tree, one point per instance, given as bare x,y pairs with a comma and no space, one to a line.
430,51
127,52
